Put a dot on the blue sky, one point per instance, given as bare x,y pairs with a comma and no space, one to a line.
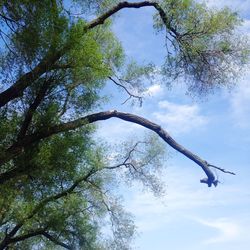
190,216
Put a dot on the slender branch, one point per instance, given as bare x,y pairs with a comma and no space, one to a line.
125,162
7,18
221,169
6,43
131,95
66,192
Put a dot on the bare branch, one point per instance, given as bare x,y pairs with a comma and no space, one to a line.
6,43
131,95
221,169
125,162
17,148
7,18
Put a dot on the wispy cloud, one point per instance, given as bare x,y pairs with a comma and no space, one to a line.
154,90
245,28
179,118
184,196
237,5
227,230
240,104
115,130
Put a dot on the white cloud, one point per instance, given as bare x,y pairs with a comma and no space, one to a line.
180,118
228,230
240,104
245,28
185,197
115,130
145,206
154,90
238,5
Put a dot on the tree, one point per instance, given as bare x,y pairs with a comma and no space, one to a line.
54,65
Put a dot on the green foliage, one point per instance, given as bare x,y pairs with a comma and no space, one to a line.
94,6
59,191
141,162
75,217
39,28
36,197
202,46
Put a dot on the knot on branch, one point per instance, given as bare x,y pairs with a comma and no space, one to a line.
113,111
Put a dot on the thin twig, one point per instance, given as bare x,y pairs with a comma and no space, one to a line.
127,91
221,169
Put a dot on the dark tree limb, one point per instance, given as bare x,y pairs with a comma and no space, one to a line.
16,90
7,18
123,5
4,244
56,241
7,239
22,237
30,112
47,63
17,148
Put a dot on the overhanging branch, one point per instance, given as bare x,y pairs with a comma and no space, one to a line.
17,149
124,5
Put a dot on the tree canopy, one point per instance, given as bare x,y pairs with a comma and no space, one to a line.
54,64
